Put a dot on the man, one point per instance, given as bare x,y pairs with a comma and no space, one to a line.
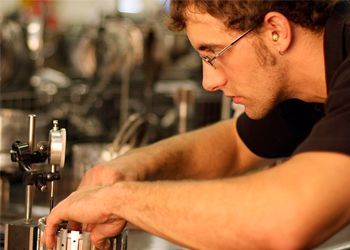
287,63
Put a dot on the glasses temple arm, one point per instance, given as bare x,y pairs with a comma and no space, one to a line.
236,40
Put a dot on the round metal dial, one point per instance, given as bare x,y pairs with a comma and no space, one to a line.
57,139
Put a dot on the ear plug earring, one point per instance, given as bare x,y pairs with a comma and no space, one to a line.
275,36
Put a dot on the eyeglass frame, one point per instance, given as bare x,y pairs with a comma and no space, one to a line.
209,60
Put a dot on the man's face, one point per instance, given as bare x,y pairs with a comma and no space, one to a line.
248,72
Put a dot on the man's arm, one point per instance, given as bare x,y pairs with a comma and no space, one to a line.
211,152
295,205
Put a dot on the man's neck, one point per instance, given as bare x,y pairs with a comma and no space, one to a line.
307,74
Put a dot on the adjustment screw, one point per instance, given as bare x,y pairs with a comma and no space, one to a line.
55,125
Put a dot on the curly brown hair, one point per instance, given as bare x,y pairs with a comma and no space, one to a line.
244,14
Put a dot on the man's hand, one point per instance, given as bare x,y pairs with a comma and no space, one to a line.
128,167
88,206
124,168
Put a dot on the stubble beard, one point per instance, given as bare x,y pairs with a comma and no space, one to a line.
270,98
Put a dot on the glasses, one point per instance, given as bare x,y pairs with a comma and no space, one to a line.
209,60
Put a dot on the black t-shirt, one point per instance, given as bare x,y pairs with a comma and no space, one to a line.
295,126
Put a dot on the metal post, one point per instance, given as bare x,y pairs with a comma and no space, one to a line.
29,188
185,98
52,190
31,136
53,168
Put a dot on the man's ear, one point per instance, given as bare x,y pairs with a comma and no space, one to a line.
279,30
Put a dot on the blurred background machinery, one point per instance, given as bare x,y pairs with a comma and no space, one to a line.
92,64
110,71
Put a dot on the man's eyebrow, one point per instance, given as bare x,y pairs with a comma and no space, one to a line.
208,46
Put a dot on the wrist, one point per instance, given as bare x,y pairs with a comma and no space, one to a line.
146,161
121,193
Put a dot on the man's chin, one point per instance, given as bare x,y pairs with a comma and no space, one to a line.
255,115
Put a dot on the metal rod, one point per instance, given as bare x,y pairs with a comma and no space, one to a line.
185,98
52,200
29,203
53,170
31,136
29,188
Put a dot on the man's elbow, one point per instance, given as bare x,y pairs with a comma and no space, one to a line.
297,236
291,242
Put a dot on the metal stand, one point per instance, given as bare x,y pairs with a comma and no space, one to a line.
22,234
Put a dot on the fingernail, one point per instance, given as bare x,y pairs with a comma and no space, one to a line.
104,244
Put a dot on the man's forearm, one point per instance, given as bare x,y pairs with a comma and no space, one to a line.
207,153
212,152
247,212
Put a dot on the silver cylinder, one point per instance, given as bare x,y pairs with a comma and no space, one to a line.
29,188
28,203
185,98
76,240
31,135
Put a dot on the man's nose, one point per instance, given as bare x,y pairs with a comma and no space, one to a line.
213,79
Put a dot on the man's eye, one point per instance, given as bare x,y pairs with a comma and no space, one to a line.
207,55
209,52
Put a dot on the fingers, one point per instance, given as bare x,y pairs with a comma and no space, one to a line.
52,222
103,244
90,227
49,236
101,232
76,226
